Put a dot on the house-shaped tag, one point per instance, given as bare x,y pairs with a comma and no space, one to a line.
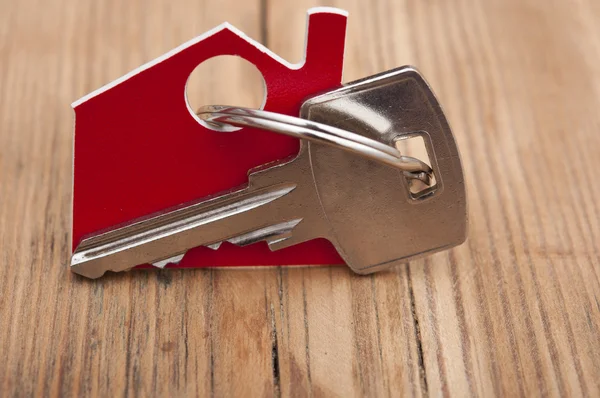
140,149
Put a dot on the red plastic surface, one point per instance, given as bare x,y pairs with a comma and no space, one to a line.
139,150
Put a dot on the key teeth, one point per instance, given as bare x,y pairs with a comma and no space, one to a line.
215,246
300,234
271,234
279,238
172,260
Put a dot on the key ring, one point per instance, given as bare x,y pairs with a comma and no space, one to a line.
222,115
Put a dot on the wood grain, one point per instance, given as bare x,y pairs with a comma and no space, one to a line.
513,312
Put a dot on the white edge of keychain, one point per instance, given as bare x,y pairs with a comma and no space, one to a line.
176,50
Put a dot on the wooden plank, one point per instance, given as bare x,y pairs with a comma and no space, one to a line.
528,275
137,334
514,311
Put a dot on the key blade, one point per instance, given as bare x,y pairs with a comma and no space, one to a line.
168,234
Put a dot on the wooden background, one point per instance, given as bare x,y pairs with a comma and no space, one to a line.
513,312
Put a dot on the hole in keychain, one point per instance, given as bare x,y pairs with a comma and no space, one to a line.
225,79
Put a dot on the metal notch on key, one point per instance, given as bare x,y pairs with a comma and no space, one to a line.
348,184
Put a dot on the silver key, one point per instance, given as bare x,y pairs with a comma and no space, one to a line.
367,209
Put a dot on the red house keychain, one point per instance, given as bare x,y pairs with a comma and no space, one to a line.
155,180
139,148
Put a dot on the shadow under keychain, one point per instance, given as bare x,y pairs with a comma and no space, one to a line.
315,177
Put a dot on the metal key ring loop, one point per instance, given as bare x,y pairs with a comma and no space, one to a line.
219,115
